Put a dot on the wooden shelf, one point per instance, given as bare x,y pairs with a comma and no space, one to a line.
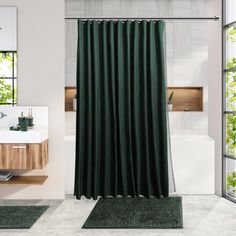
34,180
69,95
187,98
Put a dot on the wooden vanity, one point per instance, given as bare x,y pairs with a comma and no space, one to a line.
22,152
25,156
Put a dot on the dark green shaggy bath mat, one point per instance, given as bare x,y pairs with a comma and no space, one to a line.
136,213
20,217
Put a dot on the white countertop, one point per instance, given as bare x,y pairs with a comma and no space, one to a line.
35,135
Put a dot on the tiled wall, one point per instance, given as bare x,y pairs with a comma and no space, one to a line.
187,62
70,119
187,48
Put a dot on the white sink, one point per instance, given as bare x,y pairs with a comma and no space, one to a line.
36,135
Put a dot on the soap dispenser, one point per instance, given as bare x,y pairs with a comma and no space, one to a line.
23,122
30,119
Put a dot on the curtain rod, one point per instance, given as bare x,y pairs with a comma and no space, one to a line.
145,18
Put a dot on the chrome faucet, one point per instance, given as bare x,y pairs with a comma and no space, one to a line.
2,115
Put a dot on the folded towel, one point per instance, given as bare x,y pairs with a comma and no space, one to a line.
5,174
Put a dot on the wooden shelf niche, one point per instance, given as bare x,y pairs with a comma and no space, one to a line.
184,99
69,95
187,98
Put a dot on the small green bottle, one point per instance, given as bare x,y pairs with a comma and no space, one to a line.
23,123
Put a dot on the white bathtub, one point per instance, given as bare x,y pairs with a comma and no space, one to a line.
193,159
69,164
193,164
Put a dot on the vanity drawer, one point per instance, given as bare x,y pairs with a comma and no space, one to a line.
23,156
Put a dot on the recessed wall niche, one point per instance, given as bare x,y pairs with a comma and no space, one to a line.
184,98
187,98
70,93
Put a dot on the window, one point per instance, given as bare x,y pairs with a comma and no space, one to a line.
8,78
229,99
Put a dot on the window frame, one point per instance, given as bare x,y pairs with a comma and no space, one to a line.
225,156
13,79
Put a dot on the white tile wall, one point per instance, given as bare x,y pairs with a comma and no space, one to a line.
186,41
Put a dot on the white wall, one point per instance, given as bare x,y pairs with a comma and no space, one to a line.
215,89
41,82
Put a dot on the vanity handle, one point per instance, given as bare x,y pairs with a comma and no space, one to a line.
19,147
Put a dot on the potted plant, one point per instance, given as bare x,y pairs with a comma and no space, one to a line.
170,102
231,183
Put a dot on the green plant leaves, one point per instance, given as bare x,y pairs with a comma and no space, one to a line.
171,97
231,182
231,33
231,106
5,92
6,77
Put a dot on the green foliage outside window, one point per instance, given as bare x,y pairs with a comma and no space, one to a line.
231,134
6,90
231,182
231,106
231,34
231,97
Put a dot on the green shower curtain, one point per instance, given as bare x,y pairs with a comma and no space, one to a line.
121,145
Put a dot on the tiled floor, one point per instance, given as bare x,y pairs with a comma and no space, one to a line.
203,215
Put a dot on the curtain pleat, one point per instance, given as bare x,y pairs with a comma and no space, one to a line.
121,119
